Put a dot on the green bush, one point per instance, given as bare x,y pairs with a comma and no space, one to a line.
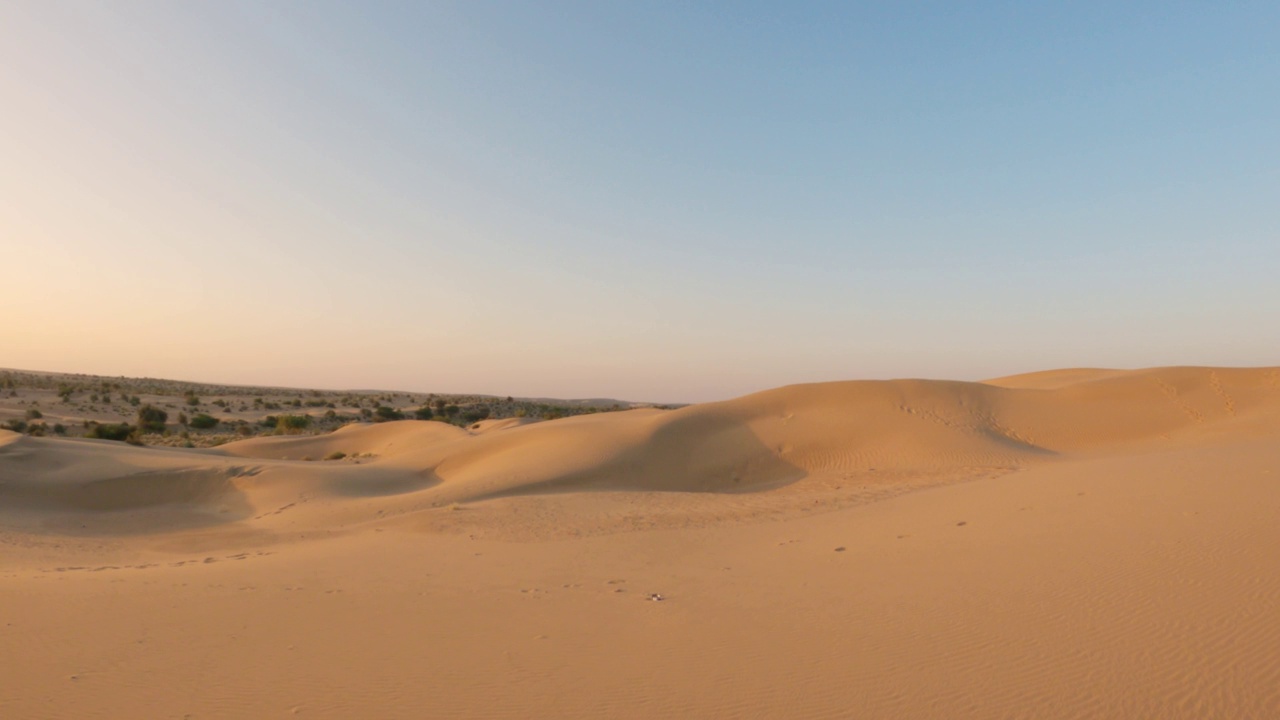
111,431
424,413
34,414
152,418
204,422
292,423
16,425
384,413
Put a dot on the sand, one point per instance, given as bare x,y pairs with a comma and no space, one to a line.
1070,544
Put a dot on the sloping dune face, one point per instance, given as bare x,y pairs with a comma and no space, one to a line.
787,435
104,475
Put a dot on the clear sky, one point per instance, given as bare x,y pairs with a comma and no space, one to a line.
656,201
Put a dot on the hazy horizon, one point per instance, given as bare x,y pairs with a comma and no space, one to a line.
669,202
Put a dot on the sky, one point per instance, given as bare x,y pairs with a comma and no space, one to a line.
663,201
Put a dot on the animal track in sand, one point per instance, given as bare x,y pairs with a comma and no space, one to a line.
147,566
277,511
1171,392
1215,382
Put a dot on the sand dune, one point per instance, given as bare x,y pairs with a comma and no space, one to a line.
1071,543
756,442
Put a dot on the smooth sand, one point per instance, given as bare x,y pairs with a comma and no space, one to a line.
1071,544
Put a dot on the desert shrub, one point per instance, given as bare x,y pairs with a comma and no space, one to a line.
111,431
244,429
478,413
335,455
424,413
16,425
37,429
59,429
192,400
203,421
151,418
34,414
292,423
384,413
182,419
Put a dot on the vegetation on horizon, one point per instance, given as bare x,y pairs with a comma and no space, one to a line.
101,407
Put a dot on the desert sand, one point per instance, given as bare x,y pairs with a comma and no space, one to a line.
1068,544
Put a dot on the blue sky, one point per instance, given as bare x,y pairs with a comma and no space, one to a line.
667,201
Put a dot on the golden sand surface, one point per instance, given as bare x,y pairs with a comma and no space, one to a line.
1067,544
